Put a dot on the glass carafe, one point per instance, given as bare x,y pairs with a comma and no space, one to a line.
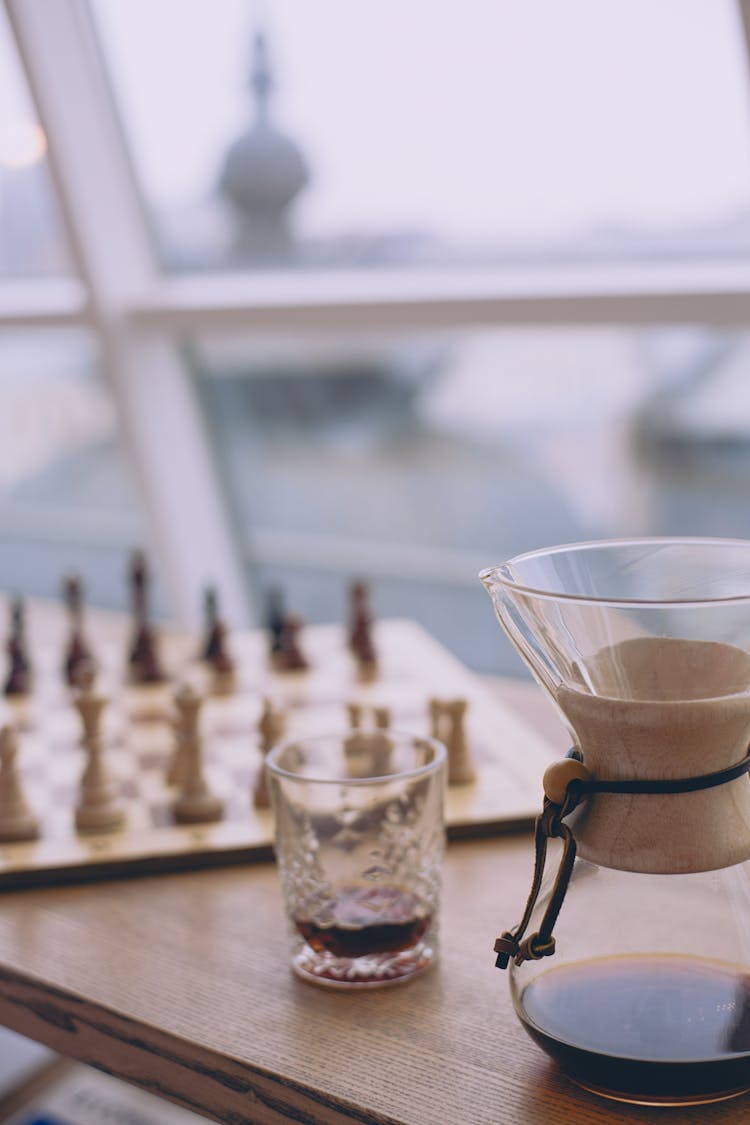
642,993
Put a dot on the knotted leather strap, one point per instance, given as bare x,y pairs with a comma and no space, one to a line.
550,824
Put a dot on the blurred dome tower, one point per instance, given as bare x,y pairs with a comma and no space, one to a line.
263,173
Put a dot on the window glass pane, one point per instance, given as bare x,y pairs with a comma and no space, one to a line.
481,132
31,238
416,461
67,502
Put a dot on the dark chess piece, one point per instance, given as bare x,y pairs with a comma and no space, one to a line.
221,660
77,654
360,626
222,663
275,620
290,657
19,678
211,617
214,651
143,655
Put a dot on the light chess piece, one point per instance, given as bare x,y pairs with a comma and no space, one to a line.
367,750
185,723
195,803
17,821
448,725
99,808
382,746
271,726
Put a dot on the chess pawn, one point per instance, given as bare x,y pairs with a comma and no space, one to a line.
17,821
271,727
98,809
195,803
460,766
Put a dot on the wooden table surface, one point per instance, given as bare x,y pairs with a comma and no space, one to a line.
181,985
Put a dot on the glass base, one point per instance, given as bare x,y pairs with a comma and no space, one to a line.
666,1100
375,970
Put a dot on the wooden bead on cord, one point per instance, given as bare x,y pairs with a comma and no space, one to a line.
558,776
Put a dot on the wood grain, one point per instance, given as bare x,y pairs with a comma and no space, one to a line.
181,985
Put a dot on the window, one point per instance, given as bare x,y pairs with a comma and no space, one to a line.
550,347
67,501
487,132
419,459
31,239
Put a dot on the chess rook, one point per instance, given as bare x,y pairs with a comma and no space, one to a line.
368,750
447,724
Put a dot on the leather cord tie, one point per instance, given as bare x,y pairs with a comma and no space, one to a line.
566,784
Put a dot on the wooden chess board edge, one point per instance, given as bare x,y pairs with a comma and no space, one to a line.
129,868
92,871
499,826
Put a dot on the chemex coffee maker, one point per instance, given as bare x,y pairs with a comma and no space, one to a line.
630,964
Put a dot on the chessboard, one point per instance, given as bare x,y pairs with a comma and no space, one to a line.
138,738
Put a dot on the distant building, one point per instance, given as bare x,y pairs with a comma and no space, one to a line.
264,172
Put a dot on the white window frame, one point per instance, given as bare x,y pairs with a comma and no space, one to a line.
161,420
135,312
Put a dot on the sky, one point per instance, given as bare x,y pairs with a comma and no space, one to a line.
488,119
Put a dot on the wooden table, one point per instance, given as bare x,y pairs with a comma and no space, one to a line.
181,985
